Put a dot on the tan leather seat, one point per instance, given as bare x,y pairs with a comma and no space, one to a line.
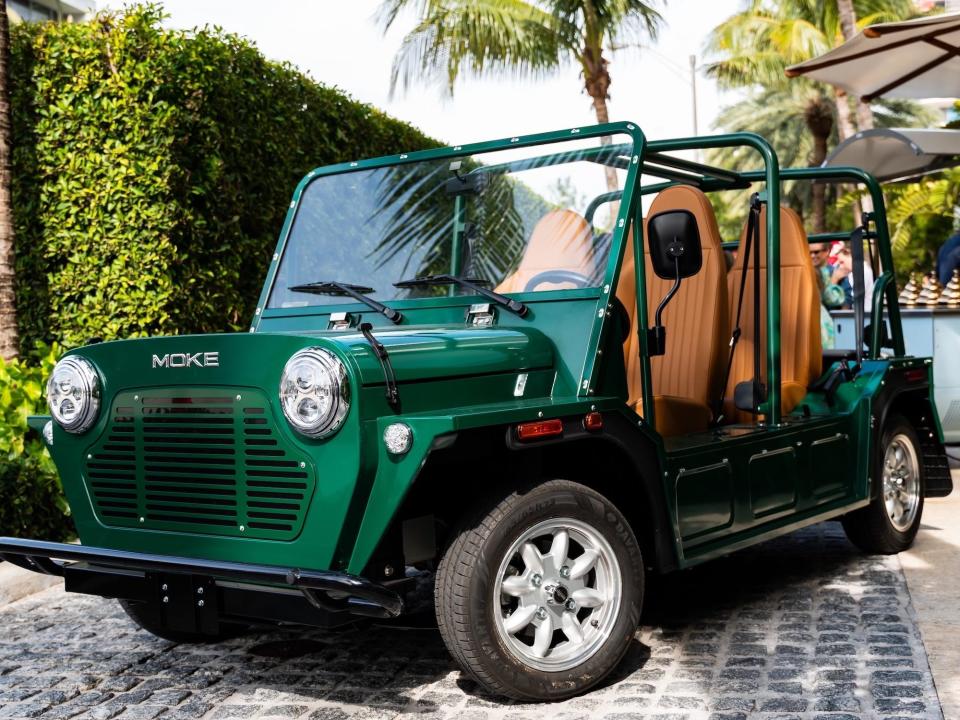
688,378
562,240
800,347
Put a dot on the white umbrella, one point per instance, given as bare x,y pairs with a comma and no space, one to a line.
898,154
913,59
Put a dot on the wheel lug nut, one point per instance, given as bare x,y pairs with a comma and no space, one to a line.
536,579
564,572
571,605
542,614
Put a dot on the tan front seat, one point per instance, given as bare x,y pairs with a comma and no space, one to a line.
688,378
800,348
562,240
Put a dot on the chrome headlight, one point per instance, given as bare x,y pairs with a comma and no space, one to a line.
73,394
315,392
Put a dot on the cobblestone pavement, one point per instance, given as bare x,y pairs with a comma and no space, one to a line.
802,627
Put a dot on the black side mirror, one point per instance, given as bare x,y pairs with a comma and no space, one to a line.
675,253
674,240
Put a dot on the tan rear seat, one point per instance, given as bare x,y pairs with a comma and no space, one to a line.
800,347
688,378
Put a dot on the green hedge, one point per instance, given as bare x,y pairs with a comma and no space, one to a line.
152,170
31,501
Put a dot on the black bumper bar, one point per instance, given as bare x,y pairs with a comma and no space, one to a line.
329,591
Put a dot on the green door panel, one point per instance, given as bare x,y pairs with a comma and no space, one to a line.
704,500
831,469
773,481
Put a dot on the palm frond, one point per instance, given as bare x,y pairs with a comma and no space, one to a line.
478,37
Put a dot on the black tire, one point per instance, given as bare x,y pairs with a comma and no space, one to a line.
871,528
148,618
466,583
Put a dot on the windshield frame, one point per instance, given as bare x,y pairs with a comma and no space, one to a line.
625,216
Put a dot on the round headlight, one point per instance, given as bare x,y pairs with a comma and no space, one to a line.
315,392
73,394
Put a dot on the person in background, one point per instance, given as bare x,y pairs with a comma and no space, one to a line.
948,258
844,270
828,278
831,294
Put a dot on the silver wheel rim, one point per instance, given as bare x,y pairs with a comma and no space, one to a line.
901,482
557,594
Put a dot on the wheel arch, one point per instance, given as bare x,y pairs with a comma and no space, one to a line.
914,403
621,463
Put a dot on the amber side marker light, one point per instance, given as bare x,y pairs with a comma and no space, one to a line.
593,422
540,429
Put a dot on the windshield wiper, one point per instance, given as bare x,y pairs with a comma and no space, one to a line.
513,306
357,292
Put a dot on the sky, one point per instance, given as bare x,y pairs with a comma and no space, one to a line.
339,43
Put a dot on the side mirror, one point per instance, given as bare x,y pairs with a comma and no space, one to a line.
675,253
674,240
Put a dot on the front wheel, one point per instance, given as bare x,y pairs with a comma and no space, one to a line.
890,522
539,597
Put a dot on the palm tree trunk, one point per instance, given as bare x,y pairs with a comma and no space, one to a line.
9,341
596,81
845,127
819,119
848,26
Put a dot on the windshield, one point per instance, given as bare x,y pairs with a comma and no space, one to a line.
523,219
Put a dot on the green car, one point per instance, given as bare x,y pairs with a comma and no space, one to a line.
531,369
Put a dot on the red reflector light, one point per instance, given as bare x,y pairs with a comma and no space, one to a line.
539,429
593,421
915,375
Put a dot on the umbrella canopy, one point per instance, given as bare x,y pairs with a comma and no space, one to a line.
898,154
913,59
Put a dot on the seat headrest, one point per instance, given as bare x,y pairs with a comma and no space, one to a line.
794,248
685,197
561,239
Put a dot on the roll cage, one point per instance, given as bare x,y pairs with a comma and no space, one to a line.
653,158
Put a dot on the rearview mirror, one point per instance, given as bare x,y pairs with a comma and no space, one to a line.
674,241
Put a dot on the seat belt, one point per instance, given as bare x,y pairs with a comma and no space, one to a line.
753,232
859,291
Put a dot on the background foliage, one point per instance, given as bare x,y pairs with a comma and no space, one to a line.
152,170
31,503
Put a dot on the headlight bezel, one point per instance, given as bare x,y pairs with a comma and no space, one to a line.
333,368
87,378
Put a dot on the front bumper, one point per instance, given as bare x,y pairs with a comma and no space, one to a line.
329,592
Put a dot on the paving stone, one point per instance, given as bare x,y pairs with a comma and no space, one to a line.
800,627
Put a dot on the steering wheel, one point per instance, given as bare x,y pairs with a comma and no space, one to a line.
557,276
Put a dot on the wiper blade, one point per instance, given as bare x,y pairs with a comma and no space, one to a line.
474,284
357,292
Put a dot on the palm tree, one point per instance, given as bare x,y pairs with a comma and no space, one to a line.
520,37
9,340
755,46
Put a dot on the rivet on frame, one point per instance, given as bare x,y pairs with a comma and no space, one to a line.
514,139
458,147
292,203
257,312
631,126
276,256
575,131
403,156
353,164
620,224
636,159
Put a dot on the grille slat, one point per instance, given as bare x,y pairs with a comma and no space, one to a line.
210,463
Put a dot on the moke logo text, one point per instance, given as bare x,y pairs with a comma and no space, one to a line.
184,360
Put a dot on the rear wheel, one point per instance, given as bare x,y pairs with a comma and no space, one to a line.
148,617
890,522
539,598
